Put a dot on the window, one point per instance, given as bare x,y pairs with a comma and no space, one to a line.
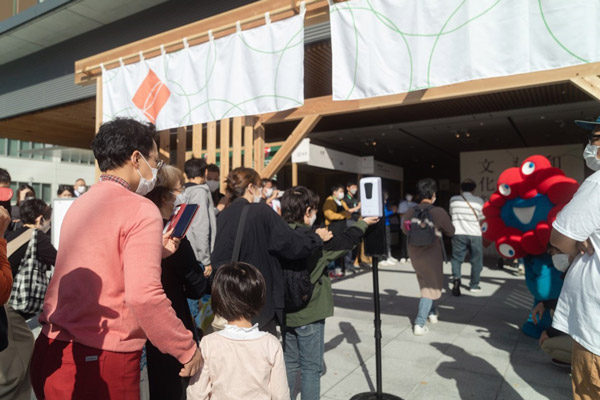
13,148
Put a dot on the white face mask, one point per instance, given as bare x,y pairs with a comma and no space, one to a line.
258,196
409,197
81,189
213,185
145,186
590,155
268,192
179,199
313,218
353,191
561,262
340,195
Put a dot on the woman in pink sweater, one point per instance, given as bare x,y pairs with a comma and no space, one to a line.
240,362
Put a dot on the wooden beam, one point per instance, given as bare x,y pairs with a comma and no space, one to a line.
197,141
181,146
259,148
325,106
165,146
250,16
300,132
211,142
98,120
237,142
224,152
589,84
248,141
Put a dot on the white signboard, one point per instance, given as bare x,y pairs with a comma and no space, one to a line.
59,210
322,157
484,167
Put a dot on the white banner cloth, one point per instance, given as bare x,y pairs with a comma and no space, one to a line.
249,72
383,47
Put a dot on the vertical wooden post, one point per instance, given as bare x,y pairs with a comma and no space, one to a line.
259,148
98,117
237,142
225,132
181,146
197,141
211,142
294,174
248,141
165,146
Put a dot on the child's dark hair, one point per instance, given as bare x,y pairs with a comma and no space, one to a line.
295,201
238,291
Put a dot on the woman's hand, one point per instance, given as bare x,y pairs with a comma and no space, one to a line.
371,220
207,271
324,233
170,244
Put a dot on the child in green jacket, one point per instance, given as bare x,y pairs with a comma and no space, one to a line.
305,327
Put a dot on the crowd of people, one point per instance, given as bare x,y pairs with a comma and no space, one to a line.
122,285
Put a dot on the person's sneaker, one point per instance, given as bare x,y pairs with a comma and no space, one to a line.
392,259
403,260
433,318
560,363
475,288
456,287
419,330
386,263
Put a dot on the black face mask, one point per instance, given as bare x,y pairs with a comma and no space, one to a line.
6,204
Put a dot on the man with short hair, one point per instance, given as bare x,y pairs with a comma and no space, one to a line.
578,308
79,187
105,299
403,208
213,173
203,228
466,211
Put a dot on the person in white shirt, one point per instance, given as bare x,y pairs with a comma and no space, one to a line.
577,227
403,207
466,212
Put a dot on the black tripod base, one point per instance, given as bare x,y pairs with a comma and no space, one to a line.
374,396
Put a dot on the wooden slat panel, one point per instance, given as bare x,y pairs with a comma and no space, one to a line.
181,146
197,141
237,142
248,141
259,148
300,132
225,135
211,142
294,174
165,146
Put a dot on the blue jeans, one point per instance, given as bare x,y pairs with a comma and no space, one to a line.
460,244
426,308
304,348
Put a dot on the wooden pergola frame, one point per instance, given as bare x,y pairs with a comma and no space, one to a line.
247,134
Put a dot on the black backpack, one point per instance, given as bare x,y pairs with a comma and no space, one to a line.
298,288
422,230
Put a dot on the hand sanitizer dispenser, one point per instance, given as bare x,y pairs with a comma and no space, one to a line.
371,197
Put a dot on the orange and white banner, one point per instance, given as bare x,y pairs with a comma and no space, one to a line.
247,73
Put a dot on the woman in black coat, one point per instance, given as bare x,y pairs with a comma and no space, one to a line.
182,278
265,237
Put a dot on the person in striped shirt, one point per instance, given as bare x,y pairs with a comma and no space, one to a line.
466,212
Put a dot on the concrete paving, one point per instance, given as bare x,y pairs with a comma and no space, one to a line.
476,351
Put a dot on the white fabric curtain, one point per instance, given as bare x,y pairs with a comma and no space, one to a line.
384,47
249,72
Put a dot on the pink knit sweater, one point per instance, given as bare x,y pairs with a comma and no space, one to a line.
106,291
